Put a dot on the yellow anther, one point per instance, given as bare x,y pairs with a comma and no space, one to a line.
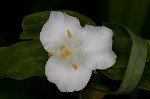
67,52
62,47
63,56
51,53
69,34
74,66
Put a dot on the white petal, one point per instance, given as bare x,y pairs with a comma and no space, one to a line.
55,29
65,76
97,47
97,39
102,60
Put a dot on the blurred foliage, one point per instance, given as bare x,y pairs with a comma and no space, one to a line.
131,13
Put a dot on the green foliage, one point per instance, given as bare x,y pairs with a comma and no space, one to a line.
28,58
23,60
130,62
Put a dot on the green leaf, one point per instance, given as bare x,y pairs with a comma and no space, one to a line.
148,55
28,58
145,80
23,60
136,64
33,23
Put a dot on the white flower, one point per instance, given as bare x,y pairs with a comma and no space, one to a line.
75,51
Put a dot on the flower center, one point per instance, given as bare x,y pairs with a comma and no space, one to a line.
69,51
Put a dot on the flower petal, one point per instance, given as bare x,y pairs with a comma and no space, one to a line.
65,76
97,39
56,27
97,47
103,60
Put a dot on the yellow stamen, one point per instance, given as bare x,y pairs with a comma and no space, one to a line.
51,53
63,56
67,52
62,47
69,34
74,66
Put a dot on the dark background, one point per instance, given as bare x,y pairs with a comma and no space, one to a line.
12,13
100,11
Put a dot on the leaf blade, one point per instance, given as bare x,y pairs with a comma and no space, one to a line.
136,64
23,60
